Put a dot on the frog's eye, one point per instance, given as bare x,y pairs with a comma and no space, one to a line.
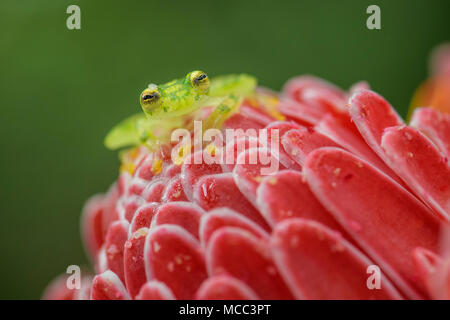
199,80
150,98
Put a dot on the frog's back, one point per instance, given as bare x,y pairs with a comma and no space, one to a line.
234,84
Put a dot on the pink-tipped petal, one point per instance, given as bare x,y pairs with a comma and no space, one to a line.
143,217
220,190
134,266
256,114
286,195
348,137
235,252
145,169
295,88
192,172
299,143
236,146
129,207
224,217
58,290
317,263
421,165
92,226
184,214
439,281
359,86
435,125
84,293
110,213
426,263
114,245
299,112
101,264
274,133
325,100
174,190
371,114
252,165
383,218
173,256
155,290
225,288
154,191
249,119
172,170
107,286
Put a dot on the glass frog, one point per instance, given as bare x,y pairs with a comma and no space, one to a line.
176,103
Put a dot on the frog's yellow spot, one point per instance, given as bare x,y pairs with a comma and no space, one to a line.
157,166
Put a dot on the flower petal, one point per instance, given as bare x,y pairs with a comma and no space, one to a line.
421,165
215,191
278,129
224,217
134,266
107,286
154,190
114,246
286,195
92,226
435,125
371,114
299,112
251,166
172,170
155,290
192,172
129,206
173,256
174,190
296,87
318,263
225,288
348,137
383,218
299,143
143,217
235,252
184,214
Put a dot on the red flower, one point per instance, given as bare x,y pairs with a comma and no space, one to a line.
356,187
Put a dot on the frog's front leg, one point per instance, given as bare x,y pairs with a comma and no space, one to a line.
224,109
153,133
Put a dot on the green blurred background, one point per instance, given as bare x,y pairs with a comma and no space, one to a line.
61,90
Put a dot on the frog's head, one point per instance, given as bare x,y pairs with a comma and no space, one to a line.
175,98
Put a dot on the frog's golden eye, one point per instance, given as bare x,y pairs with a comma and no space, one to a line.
150,98
199,80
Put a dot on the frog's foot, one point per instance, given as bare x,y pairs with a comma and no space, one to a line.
222,111
153,133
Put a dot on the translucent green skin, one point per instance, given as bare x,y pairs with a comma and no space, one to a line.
179,99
